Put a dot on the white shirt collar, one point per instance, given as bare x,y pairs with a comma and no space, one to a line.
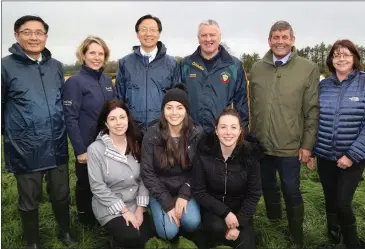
39,59
152,54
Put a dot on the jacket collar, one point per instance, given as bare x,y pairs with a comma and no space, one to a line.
160,46
96,74
224,55
19,53
349,77
268,58
209,145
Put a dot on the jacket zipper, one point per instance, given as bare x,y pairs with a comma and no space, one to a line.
148,66
49,111
225,180
335,120
101,89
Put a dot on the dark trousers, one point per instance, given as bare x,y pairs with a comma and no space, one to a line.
30,192
83,195
127,236
289,172
215,229
339,186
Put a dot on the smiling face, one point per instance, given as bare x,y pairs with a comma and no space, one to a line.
228,130
94,57
175,113
281,43
32,37
209,39
343,60
148,34
117,122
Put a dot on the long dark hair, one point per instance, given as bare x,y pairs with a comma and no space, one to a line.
175,153
133,133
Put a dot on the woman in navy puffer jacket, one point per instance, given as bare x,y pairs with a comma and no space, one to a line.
340,145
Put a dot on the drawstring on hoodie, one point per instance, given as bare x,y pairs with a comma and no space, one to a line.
107,165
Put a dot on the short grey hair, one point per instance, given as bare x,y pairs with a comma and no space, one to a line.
281,25
208,22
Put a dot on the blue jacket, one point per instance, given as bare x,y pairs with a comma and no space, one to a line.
211,92
342,118
84,95
35,135
142,85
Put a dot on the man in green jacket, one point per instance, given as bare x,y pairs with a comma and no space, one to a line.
284,116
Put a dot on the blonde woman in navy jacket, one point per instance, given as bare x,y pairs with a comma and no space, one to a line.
83,97
340,144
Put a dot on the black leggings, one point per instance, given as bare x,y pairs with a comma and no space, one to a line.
215,229
127,236
339,186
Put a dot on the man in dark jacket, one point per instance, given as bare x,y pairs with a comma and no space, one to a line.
214,79
35,139
145,75
284,116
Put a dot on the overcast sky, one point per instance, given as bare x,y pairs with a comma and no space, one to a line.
244,25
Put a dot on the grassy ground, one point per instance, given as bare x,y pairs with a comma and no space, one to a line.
269,235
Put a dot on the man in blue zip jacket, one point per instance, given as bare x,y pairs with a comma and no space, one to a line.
145,75
35,139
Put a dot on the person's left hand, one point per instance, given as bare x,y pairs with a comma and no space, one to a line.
180,206
232,234
310,163
344,162
139,215
304,155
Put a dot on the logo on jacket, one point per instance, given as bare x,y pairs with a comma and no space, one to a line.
198,66
192,75
355,99
67,102
225,77
109,89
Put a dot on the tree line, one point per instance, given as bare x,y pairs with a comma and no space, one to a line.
318,54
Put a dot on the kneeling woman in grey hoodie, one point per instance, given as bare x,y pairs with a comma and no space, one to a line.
119,195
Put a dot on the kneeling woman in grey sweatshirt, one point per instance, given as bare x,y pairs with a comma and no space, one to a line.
119,195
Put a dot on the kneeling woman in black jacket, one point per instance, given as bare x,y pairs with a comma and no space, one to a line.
227,183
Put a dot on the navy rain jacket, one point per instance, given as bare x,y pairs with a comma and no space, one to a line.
35,135
143,85
84,95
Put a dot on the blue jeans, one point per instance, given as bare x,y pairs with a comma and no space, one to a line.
289,172
167,230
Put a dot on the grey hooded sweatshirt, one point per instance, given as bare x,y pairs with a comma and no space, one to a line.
114,180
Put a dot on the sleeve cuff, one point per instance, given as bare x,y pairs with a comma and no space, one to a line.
226,212
116,207
143,201
351,158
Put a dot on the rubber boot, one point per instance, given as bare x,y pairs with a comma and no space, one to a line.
295,220
333,228
61,210
350,237
273,204
30,226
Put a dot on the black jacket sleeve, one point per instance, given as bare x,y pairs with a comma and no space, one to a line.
200,191
254,187
150,178
185,189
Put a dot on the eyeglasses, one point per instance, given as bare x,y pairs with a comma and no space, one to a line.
29,33
151,30
338,56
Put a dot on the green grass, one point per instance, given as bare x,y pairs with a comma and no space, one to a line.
269,235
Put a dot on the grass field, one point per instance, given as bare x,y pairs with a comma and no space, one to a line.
269,235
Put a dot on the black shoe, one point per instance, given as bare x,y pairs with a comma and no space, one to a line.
30,228
66,239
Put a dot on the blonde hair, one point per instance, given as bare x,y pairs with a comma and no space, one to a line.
84,46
